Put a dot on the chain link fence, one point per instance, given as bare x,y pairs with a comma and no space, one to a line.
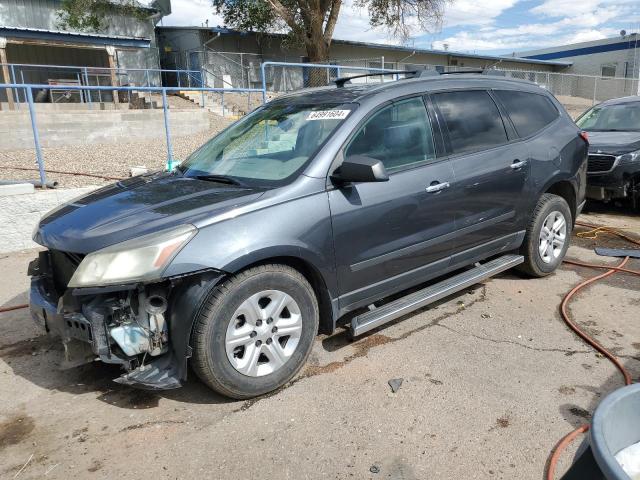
577,92
290,77
228,69
585,87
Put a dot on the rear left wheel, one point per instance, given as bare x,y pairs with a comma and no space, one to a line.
255,331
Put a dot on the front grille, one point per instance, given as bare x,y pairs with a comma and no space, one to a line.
600,163
63,266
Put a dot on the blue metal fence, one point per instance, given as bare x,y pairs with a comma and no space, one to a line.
28,93
23,73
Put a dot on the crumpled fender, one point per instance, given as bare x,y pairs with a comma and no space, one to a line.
186,300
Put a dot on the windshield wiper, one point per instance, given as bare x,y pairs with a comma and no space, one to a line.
221,179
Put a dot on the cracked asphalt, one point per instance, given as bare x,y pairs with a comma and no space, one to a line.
491,380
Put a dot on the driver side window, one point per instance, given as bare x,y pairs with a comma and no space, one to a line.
398,135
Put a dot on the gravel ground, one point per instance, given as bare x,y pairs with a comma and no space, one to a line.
112,160
492,379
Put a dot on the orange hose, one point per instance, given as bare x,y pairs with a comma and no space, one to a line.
560,446
597,229
15,307
584,336
567,439
604,267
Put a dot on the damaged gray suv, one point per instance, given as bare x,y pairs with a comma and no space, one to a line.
308,214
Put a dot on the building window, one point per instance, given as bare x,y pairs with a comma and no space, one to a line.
608,70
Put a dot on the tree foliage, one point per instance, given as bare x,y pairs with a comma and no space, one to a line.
312,22
403,17
91,15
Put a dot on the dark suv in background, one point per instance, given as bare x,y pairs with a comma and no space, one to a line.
310,211
614,154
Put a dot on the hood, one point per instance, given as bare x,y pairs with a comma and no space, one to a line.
614,143
136,207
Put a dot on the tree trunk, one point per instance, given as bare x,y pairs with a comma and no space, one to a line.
317,52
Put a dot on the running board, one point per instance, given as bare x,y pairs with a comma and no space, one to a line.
386,313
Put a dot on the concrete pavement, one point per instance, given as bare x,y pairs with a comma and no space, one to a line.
492,379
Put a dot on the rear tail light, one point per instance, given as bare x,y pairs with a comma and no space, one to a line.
584,136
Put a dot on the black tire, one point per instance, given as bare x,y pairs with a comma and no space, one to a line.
533,264
210,361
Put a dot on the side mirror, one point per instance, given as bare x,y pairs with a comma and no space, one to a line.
359,168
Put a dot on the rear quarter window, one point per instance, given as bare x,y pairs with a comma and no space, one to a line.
529,112
472,120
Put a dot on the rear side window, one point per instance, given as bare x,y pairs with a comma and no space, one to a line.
472,119
529,112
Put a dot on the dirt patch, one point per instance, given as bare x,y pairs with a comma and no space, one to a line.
579,412
503,422
138,426
15,429
564,390
95,466
27,347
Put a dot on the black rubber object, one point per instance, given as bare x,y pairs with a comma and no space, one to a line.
617,252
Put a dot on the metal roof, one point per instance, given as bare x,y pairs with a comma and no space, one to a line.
496,58
92,38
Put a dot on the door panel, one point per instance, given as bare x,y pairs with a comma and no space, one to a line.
386,229
489,194
387,233
490,173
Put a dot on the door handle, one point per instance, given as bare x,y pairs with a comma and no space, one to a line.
517,164
436,187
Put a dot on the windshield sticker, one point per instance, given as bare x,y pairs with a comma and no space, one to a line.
328,115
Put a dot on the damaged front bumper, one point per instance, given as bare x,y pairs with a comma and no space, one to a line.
125,325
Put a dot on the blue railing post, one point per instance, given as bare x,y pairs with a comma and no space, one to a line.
338,71
166,130
202,103
222,101
86,82
15,90
82,99
179,82
36,137
146,75
264,83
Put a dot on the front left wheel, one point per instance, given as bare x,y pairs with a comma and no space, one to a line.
255,331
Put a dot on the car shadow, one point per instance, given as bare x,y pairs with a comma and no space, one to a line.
610,208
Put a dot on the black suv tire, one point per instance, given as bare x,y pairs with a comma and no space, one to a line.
209,338
534,264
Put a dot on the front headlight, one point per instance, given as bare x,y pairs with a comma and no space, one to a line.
630,157
140,259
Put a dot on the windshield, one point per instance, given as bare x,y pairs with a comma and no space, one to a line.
625,117
267,147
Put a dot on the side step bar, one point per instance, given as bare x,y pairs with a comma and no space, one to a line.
386,313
